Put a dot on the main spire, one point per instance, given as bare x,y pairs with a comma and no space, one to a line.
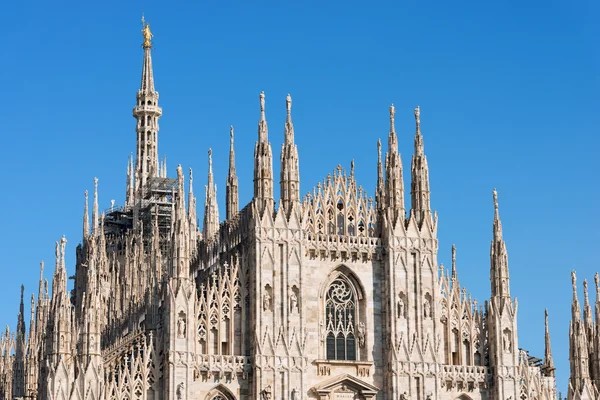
290,174
146,112
498,257
231,188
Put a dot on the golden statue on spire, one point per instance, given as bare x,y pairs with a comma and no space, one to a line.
146,34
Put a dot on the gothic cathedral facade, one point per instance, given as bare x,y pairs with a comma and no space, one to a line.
334,295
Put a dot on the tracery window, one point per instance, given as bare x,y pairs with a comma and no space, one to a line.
340,314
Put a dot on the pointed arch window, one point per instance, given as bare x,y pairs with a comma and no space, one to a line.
340,317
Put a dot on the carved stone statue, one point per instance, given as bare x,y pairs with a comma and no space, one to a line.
179,391
404,396
426,308
295,395
361,333
266,301
506,341
400,308
266,393
181,328
293,303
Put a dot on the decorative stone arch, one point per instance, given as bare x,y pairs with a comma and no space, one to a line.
463,396
219,392
343,292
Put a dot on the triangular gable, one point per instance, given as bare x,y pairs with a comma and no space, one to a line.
345,383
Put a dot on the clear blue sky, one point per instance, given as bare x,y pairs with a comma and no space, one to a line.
508,93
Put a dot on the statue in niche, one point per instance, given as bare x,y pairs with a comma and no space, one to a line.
295,394
400,307
179,391
181,328
266,301
361,333
506,341
404,396
426,308
266,393
293,302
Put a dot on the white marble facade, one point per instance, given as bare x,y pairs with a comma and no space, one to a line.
334,295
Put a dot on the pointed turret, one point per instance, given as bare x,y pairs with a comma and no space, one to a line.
231,189
575,307
129,193
578,344
499,276
454,274
86,221
146,112
290,173
587,309
394,184
380,192
263,164
180,240
60,318
211,209
18,381
95,209
548,361
420,194
192,216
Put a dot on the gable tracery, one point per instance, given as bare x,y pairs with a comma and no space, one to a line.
463,324
219,312
339,207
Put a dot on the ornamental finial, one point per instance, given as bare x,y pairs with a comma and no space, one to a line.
418,117
288,103
146,34
495,194
262,103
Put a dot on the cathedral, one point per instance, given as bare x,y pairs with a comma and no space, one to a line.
333,295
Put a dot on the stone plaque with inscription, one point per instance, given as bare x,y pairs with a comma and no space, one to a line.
344,395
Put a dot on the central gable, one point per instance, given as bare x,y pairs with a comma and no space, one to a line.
337,206
346,387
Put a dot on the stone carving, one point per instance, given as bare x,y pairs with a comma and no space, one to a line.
179,391
426,308
266,301
404,396
293,303
295,395
361,333
266,393
506,342
181,326
400,307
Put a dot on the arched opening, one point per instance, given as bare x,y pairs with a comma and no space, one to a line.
219,392
344,321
